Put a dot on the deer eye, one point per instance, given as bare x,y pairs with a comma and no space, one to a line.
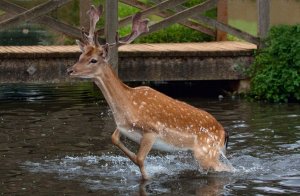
93,61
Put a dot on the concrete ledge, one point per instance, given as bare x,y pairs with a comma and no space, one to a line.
182,68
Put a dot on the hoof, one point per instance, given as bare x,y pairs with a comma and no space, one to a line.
145,178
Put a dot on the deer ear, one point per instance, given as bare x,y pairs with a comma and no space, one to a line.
105,49
80,44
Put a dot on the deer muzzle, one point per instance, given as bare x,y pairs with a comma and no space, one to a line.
70,71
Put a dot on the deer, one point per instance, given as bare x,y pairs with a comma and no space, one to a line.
144,115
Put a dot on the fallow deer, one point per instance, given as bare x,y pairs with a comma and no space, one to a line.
144,115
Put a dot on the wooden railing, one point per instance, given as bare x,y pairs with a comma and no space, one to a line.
37,15
172,11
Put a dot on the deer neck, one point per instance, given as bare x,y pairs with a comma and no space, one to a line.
115,92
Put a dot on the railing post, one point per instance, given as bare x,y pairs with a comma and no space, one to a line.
111,28
222,16
263,10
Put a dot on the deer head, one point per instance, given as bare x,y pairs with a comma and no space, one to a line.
94,55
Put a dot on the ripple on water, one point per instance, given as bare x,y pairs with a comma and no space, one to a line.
291,182
240,124
267,189
274,175
293,146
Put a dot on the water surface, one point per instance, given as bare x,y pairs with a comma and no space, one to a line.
56,140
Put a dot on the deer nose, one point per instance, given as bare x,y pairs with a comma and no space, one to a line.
70,71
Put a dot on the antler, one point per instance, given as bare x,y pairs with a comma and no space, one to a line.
94,14
139,26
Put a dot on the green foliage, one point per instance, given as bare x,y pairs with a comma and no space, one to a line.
276,71
174,34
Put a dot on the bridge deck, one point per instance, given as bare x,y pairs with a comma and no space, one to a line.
228,47
137,62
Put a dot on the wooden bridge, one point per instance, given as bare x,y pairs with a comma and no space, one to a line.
150,62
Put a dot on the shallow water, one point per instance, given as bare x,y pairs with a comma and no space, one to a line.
56,140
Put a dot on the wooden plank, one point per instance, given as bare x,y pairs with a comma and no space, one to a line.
163,47
263,8
182,15
33,13
245,45
43,20
224,47
111,28
222,16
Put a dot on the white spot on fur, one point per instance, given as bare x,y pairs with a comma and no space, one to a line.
204,130
207,140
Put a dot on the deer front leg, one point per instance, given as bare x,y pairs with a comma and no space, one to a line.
146,144
116,141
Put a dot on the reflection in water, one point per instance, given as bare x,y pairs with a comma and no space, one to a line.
56,139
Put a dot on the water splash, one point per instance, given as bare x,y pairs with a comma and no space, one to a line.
117,173
97,172
223,159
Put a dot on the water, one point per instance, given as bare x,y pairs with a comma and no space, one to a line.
55,140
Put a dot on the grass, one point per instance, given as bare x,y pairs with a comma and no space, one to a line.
250,27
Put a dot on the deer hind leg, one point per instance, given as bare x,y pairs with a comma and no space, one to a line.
146,144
